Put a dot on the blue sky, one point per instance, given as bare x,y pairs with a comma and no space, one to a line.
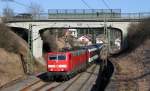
124,5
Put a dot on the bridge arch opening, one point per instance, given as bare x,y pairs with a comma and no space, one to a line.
115,38
22,32
49,37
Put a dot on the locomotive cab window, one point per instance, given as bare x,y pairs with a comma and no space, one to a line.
57,57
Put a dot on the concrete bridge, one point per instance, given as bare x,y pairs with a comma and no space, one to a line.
68,21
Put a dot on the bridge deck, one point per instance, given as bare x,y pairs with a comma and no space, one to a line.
81,14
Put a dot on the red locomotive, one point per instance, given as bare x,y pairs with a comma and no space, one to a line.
66,64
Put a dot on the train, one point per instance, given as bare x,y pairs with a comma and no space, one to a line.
68,63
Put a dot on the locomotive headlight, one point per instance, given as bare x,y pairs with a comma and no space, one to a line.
62,69
51,66
62,66
51,69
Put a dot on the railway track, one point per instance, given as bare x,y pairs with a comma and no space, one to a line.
35,86
77,82
89,83
80,82
65,86
82,75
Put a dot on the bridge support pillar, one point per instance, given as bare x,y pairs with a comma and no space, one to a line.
37,43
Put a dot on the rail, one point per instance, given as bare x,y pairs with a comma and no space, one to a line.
80,14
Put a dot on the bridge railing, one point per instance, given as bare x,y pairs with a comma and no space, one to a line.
82,11
79,14
132,16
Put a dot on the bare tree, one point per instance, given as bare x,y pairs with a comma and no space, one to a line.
8,12
35,9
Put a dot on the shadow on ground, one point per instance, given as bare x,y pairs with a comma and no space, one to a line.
103,78
44,77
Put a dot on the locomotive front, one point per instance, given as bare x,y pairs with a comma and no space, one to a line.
58,62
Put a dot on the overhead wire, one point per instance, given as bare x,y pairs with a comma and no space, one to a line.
104,2
21,4
106,48
18,3
87,4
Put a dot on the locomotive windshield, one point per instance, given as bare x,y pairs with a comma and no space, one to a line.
57,57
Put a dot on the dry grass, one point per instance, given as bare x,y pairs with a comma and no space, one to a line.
131,69
38,67
10,60
138,33
6,42
10,67
13,55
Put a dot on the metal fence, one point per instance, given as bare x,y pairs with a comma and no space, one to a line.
82,11
82,14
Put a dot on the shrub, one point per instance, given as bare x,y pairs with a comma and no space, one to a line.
138,33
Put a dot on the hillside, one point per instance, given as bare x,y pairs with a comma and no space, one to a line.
13,56
132,68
